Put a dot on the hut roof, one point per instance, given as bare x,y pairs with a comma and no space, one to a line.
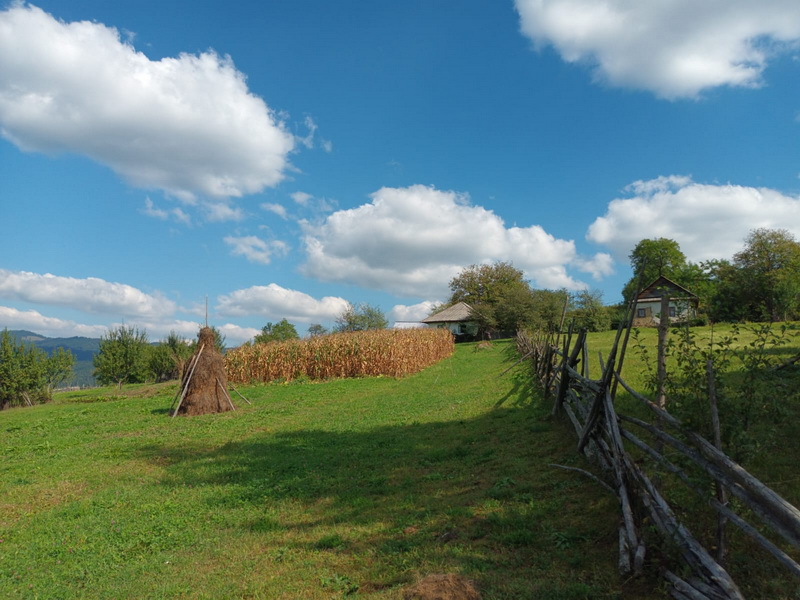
454,314
662,285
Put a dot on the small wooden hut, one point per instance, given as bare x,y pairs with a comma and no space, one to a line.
204,385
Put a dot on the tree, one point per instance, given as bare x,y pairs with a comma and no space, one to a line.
769,274
219,340
315,330
58,368
160,363
122,357
652,258
27,374
549,308
360,317
589,312
498,293
277,332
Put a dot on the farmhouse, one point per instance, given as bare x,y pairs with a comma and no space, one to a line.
682,303
459,319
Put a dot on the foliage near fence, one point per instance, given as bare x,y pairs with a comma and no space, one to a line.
637,464
388,352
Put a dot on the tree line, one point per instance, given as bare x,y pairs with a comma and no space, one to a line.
759,283
503,300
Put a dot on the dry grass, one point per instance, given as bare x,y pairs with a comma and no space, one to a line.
388,352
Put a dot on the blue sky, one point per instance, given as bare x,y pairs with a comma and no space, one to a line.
284,158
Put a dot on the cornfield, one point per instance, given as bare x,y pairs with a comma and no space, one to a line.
389,352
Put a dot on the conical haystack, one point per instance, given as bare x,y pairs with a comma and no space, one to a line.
204,384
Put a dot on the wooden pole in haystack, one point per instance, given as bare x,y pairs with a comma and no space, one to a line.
187,380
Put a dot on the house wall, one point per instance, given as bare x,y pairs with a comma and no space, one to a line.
460,327
648,312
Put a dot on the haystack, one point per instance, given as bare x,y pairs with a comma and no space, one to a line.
204,385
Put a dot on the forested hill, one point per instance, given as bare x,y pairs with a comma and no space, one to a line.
83,348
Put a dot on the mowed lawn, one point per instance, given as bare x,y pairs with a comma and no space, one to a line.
316,490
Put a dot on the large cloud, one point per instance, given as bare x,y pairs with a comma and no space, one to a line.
412,241
275,302
90,295
185,125
675,49
401,313
708,221
32,320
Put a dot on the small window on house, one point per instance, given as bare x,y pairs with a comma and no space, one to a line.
672,311
641,313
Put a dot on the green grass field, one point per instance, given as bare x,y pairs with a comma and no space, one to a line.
318,490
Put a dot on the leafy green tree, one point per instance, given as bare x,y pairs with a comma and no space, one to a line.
549,308
160,364
316,329
122,357
499,295
167,358
276,332
589,312
769,274
652,258
58,368
180,350
360,317
27,374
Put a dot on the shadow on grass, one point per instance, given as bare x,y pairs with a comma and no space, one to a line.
473,496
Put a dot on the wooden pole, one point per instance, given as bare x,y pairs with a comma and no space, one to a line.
188,380
180,387
226,394
661,370
661,365
240,395
568,362
722,495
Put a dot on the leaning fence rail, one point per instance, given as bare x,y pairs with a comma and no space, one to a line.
561,367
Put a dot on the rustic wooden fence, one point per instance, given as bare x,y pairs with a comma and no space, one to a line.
609,439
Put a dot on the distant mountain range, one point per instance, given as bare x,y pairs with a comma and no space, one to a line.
83,348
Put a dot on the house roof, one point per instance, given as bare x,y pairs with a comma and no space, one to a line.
656,290
454,314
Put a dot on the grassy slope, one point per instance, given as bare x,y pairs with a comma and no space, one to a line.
315,491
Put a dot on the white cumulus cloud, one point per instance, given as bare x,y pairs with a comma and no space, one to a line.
32,320
91,295
255,249
186,125
275,302
413,241
414,313
708,221
675,49
236,335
